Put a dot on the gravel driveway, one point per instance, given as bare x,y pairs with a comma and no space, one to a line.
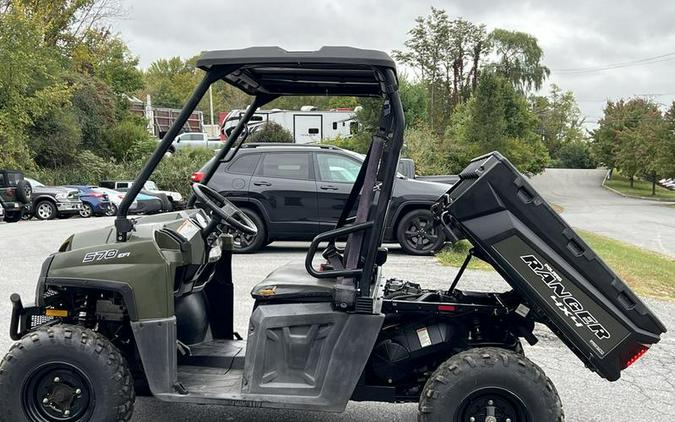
646,391
648,224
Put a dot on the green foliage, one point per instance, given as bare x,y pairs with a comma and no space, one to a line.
498,119
414,100
575,154
127,139
635,137
425,148
358,142
271,132
55,138
520,59
94,107
174,172
559,119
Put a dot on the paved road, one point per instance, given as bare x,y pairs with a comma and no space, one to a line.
648,224
645,393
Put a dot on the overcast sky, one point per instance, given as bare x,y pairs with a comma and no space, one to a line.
578,36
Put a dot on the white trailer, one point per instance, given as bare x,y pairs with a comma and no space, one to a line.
307,124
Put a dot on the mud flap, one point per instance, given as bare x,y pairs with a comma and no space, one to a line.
556,273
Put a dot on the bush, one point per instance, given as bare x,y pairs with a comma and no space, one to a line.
271,132
124,137
174,172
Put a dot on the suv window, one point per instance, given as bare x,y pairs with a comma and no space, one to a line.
337,168
13,178
123,185
286,165
245,164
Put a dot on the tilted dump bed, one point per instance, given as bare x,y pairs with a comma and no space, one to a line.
557,274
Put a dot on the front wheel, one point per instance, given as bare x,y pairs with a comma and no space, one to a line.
65,373
249,243
45,210
489,384
111,210
417,233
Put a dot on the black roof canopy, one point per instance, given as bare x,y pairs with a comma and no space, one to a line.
275,71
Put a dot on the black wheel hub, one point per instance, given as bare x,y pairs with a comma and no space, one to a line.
240,239
421,234
492,405
57,392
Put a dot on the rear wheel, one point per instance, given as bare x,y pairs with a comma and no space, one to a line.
489,385
417,233
249,243
86,211
65,373
45,210
111,211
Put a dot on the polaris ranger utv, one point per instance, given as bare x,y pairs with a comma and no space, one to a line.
147,305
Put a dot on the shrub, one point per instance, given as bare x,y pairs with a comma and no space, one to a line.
271,132
174,172
576,155
123,137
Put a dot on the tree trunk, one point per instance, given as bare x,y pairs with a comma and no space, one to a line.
653,184
631,181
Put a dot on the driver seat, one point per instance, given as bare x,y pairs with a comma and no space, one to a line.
292,282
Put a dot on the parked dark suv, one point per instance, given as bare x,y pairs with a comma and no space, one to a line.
295,191
15,194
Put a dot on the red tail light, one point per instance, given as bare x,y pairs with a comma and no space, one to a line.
197,176
638,355
447,308
97,195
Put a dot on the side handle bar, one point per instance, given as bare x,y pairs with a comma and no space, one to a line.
17,312
329,235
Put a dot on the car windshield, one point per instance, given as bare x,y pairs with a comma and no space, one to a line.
150,185
33,182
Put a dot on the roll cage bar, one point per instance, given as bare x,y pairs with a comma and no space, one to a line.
267,73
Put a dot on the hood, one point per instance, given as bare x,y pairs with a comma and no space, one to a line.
421,190
55,190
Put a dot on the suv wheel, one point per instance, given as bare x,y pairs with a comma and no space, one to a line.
86,211
248,243
45,210
417,233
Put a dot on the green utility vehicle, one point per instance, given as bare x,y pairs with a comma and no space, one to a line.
146,306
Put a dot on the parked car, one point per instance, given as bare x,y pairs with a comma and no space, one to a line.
49,202
143,204
15,194
170,200
295,191
2,211
93,202
195,140
406,167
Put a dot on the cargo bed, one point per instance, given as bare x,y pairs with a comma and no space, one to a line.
559,277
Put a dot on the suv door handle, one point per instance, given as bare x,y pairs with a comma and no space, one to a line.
262,183
328,187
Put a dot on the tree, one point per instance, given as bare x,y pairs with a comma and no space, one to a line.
519,59
497,118
559,119
631,136
576,155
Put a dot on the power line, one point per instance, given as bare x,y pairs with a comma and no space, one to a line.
663,58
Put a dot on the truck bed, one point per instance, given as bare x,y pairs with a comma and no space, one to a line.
559,277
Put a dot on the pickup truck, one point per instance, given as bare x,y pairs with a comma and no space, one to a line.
406,167
195,140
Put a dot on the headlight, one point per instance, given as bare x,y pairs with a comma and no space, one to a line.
61,195
177,196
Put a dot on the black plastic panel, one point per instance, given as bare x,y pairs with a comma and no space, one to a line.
581,299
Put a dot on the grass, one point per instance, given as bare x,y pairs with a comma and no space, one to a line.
646,272
640,188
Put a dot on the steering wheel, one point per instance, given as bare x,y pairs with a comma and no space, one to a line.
224,210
